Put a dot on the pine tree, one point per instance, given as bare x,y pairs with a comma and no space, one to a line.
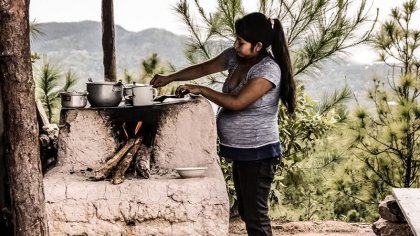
388,140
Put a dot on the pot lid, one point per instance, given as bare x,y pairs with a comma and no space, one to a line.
74,93
141,85
104,83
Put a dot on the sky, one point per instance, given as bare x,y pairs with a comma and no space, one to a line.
137,15
132,15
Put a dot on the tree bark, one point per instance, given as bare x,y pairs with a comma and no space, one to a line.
21,144
108,40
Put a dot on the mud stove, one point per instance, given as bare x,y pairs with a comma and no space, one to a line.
178,134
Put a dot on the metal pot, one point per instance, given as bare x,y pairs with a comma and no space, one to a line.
73,99
104,94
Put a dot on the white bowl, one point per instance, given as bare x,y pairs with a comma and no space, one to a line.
191,172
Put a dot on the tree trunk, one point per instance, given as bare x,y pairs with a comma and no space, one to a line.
21,145
408,179
108,40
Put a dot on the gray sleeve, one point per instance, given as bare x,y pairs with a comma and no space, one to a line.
229,57
268,70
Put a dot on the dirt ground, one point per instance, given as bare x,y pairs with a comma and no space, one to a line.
326,228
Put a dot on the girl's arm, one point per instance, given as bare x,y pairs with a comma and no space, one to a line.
250,93
192,72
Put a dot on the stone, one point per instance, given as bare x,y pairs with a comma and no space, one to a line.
392,221
384,227
389,210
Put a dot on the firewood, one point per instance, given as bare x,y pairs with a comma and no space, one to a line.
42,113
143,161
103,171
125,163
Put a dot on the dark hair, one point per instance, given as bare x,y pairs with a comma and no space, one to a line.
256,27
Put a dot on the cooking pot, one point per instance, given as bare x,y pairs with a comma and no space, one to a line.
73,99
104,94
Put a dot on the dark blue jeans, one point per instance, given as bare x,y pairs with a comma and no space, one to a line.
252,180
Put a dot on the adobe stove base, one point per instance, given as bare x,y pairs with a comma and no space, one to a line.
160,205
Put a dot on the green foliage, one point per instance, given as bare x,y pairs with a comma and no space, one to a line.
387,141
305,162
128,78
149,67
35,30
153,65
47,88
331,26
382,147
70,80
227,170
398,41
49,83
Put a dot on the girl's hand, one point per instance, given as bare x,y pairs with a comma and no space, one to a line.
160,80
188,88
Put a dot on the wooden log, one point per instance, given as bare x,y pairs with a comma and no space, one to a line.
143,161
125,163
103,171
42,113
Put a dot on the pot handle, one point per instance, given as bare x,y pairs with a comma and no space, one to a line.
155,93
117,87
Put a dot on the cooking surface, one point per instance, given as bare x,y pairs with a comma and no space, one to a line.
124,112
122,105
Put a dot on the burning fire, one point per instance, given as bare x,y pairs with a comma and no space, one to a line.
136,130
138,126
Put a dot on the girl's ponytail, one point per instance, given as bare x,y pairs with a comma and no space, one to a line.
256,27
281,54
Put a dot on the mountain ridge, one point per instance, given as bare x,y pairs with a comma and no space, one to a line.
78,46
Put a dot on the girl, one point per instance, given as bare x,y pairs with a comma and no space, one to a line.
247,121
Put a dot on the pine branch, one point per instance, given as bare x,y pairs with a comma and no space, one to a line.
332,101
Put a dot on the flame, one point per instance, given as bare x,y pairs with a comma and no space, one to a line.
136,130
138,126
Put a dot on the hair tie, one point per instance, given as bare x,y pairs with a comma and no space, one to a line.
271,21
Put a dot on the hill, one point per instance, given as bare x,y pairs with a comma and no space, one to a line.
337,73
78,46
